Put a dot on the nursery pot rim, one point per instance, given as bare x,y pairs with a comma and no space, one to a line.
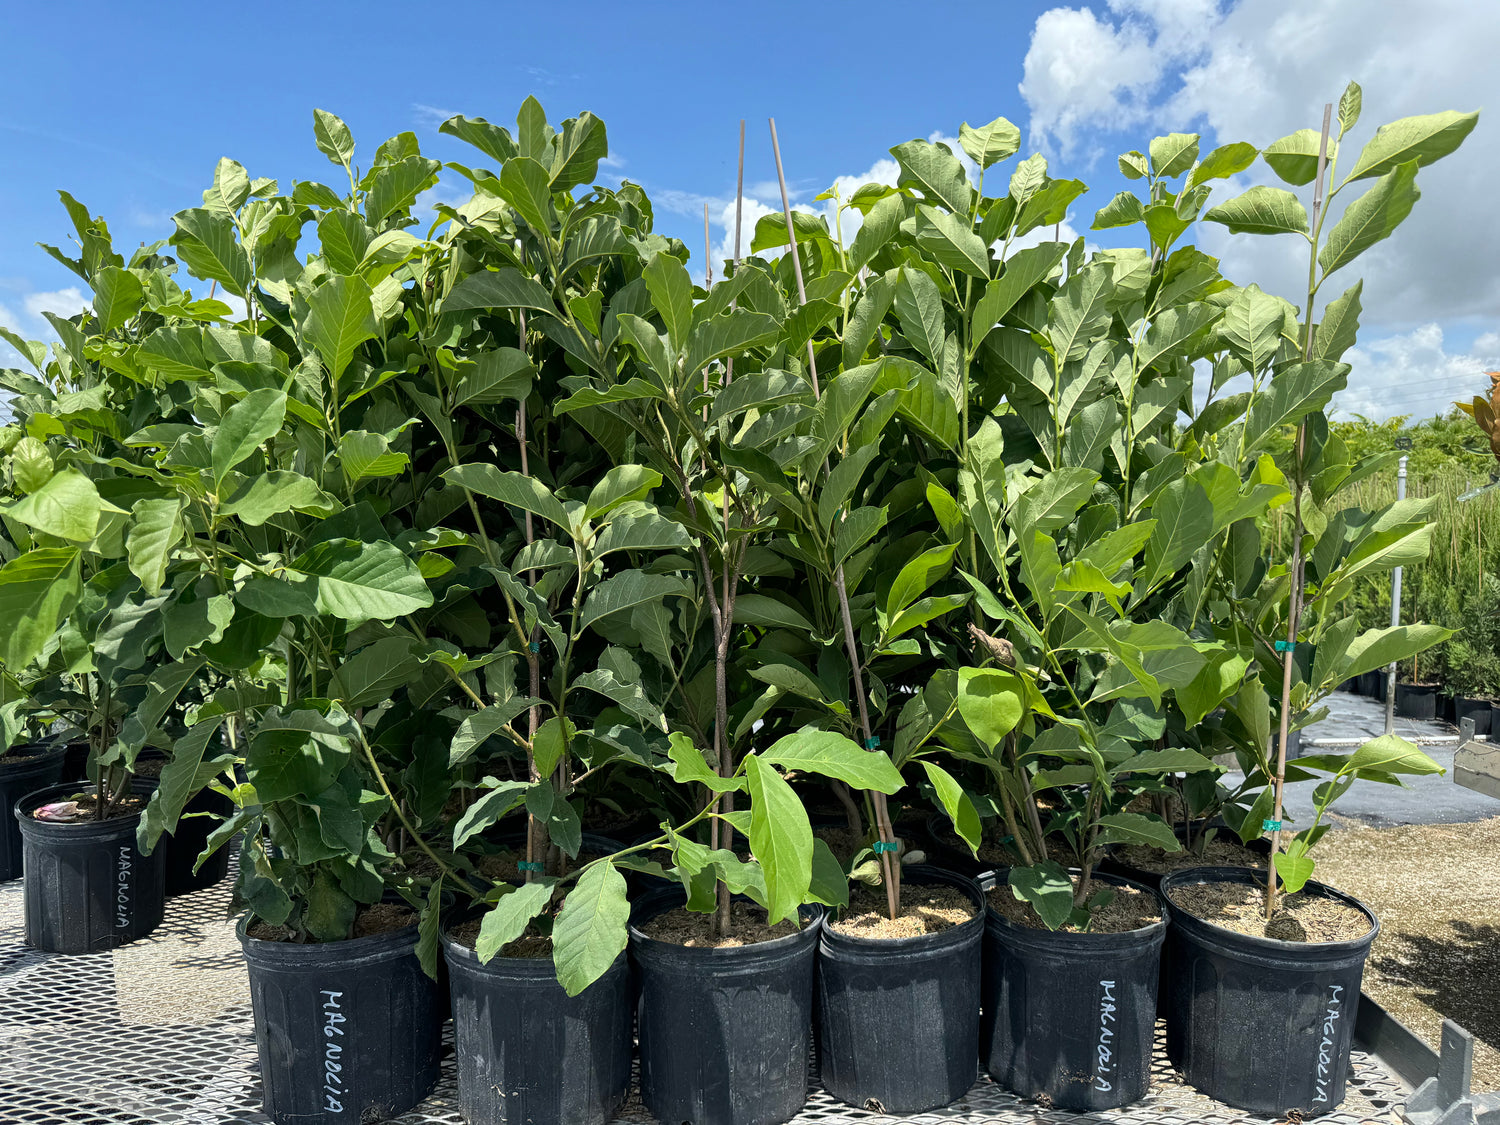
810,915
10,762
540,970
1144,935
72,829
290,953
922,944
1249,876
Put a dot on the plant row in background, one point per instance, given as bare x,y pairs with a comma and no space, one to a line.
505,581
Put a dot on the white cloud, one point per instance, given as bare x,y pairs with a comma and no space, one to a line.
430,116
1413,373
59,302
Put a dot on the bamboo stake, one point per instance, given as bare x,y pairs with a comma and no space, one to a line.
533,833
890,866
1297,576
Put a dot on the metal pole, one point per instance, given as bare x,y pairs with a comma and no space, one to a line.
1390,672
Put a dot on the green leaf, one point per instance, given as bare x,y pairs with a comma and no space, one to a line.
1422,139
501,797
364,581
332,137
499,374
1046,888
991,703
509,917
1021,273
632,390
833,755
590,932
480,725
287,762
363,454
769,612
1261,210
252,420
626,589
1295,392
280,490
1184,522
917,576
1136,828
1392,754
1295,157
1123,210
551,744
990,144
154,531
525,185
206,241
919,306
396,186
493,140
498,289
1371,218
1079,312
67,506
513,488
1171,759
691,768
117,297
344,238
1173,154
956,804
340,317
1375,648
620,484
1350,104
37,590
581,145
1053,501
952,242
671,295
731,334
1222,162
182,778
1294,871
934,171
1336,332
781,838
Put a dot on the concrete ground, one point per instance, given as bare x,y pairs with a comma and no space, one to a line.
1430,799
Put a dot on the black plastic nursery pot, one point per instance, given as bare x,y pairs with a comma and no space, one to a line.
1417,701
1467,707
529,1052
724,1034
186,844
1069,1018
1261,1024
899,1018
347,1031
1495,718
23,770
87,885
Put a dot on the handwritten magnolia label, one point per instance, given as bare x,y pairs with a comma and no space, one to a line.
333,1051
1331,1019
1104,1068
123,871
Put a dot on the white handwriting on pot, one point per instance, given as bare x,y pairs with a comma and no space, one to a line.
1325,1048
333,1051
1106,1052
122,888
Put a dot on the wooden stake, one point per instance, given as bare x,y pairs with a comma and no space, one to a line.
891,866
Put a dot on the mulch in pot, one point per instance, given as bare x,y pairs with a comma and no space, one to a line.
1130,909
926,908
378,918
748,925
1224,850
1298,917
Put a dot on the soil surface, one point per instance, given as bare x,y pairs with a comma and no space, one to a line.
149,767
1301,917
381,918
1223,850
747,925
845,845
526,947
1436,890
85,807
1130,909
925,909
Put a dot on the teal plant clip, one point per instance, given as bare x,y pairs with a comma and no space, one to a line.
525,865
536,646
873,742
881,846
1285,646
1270,826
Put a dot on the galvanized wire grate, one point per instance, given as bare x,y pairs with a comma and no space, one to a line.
160,1033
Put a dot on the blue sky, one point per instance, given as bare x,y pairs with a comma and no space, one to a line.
129,107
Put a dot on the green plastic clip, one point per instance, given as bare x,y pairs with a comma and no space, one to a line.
1285,646
881,846
873,742
536,646
536,867
1270,826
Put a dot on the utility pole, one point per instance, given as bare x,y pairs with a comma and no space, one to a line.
1390,672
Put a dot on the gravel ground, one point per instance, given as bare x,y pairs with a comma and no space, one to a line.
1436,889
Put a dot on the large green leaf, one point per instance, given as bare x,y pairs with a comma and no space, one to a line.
524,184
1079,312
731,334
1022,271
67,506
1295,392
513,488
1184,522
934,171
36,590
500,798
364,581
1295,157
206,241
480,725
952,242
1392,754
493,140
991,703
288,762
332,137
1261,210
1046,888
629,588
1420,139
280,490
671,292
1371,217
181,779
780,838
990,144
254,419
919,306
340,317
498,289
956,804
1375,648
580,146
590,932
833,755
396,186
1137,828
155,529
117,297
509,917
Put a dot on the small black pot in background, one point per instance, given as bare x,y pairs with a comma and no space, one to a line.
347,1031
899,1018
1069,1018
527,1051
724,1033
87,885
1494,720
1417,701
1261,1024
186,844
23,770
1466,707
